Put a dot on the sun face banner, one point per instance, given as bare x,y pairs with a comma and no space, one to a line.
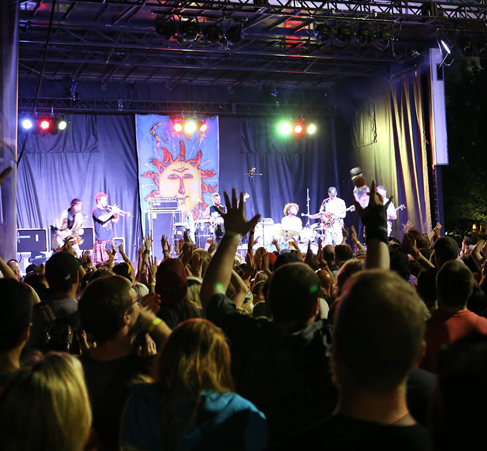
177,164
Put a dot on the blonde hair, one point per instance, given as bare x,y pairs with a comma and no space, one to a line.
288,206
196,357
46,407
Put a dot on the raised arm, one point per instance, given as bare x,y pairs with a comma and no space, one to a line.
374,219
219,270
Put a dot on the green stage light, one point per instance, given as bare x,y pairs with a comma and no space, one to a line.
284,128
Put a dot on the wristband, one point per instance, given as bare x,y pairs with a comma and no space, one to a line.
154,325
357,242
152,284
419,255
232,234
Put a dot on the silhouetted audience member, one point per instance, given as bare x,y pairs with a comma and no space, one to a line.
452,320
281,365
16,308
110,314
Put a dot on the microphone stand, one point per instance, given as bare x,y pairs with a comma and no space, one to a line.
307,206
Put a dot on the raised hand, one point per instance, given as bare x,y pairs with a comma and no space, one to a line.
148,242
235,220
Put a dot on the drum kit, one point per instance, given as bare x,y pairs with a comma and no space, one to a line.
307,236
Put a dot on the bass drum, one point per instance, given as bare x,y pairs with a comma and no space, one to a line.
306,235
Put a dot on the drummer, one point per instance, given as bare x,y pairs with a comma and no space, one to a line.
213,214
291,221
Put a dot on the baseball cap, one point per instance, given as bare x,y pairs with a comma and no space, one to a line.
76,201
446,247
62,265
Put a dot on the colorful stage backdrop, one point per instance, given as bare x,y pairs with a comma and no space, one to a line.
179,165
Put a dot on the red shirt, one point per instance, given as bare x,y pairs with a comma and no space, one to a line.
444,328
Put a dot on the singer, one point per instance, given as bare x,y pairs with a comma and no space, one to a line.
103,219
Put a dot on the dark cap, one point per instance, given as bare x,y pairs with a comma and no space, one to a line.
62,265
171,281
446,248
332,191
76,201
284,258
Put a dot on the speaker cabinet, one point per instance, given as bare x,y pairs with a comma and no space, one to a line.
32,240
160,223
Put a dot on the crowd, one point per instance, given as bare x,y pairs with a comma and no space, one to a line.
378,344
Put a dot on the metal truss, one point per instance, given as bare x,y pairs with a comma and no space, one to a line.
116,39
67,105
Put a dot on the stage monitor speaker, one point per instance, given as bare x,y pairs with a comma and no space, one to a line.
32,240
88,239
160,223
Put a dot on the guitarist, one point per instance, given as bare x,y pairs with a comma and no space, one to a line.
69,224
332,212
391,209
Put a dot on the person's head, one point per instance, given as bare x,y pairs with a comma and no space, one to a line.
76,206
194,289
350,267
294,289
454,284
14,265
426,287
446,249
171,281
140,289
108,306
101,200
46,407
399,263
329,253
326,280
285,258
216,199
122,269
62,272
195,357
382,191
343,253
16,307
379,332
291,209
332,191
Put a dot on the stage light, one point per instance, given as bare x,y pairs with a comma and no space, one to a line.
445,46
298,128
284,128
364,35
323,32
27,124
178,126
62,124
45,124
343,34
311,129
384,38
213,33
165,29
203,126
234,35
190,30
189,127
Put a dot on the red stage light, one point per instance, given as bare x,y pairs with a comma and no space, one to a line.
203,127
45,124
298,129
178,127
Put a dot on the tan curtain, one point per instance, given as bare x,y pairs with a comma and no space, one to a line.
411,158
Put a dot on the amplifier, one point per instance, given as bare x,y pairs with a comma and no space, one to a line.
163,203
32,240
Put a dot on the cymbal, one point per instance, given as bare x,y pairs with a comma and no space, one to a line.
286,233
